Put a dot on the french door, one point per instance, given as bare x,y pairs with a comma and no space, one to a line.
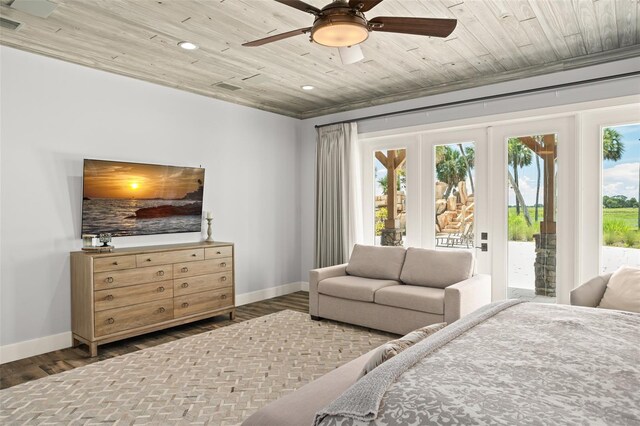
529,197
534,209
455,194
441,199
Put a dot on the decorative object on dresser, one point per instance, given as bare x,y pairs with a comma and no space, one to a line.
137,290
209,231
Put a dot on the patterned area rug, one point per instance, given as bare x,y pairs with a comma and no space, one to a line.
220,377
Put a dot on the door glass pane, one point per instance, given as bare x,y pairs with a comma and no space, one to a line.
620,195
454,189
532,172
390,204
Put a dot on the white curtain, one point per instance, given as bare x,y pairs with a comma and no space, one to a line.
338,193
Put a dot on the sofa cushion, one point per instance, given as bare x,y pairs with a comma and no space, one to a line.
436,268
383,263
417,298
353,288
623,290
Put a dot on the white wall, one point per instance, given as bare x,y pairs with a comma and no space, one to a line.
54,114
591,92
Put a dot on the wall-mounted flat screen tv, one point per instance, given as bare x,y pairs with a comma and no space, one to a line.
128,199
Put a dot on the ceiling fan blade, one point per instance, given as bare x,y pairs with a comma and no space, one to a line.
367,5
300,5
420,26
277,37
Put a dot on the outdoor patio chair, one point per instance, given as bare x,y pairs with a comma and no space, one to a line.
464,238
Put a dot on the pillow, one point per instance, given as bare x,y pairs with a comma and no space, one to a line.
623,290
381,263
394,347
436,268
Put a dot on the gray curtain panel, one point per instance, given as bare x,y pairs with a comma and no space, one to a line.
337,169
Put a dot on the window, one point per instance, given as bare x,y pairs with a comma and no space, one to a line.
620,195
390,203
454,195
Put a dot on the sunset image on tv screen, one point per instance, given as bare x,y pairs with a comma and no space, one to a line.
138,199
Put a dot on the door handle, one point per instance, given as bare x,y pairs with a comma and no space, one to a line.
483,247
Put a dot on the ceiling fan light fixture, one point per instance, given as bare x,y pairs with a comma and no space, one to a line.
187,45
340,30
351,54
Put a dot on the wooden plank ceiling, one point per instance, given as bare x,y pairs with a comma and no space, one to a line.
495,40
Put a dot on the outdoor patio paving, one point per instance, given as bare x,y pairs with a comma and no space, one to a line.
521,273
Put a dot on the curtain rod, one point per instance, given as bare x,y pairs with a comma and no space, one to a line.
486,98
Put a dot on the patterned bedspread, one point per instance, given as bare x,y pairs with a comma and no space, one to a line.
528,364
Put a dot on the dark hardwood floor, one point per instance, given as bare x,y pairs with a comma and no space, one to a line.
24,370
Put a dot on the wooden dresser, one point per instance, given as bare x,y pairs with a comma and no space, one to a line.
137,290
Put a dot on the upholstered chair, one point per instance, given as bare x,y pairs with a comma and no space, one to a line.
590,293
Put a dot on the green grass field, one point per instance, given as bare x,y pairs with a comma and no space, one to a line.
620,226
629,216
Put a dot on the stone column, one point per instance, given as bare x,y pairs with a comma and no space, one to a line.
545,264
391,237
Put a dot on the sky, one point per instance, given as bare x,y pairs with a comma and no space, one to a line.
109,179
621,177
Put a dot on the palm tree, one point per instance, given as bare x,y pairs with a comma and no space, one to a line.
612,149
519,156
451,167
612,145
469,156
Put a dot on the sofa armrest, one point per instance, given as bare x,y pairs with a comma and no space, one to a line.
590,293
317,275
466,296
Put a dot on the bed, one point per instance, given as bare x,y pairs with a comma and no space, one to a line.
507,363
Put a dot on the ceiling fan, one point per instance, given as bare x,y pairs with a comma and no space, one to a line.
342,24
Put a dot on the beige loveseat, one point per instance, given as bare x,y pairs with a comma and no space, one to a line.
398,290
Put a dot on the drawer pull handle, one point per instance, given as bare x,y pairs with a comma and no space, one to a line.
109,280
185,285
194,255
223,278
160,289
109,297
148,259
218,252
223,264
185,305
110,321
115,263
224,296
184,269
161,310
161,273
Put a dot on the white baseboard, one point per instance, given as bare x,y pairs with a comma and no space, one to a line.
268,293
56,342
34,347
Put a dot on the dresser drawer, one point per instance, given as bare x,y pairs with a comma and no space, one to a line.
113,263
132,295
202,302
160,258
218,252
200,283
120,319
115,279
181,270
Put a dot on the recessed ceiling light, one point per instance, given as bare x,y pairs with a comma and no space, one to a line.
187,45
307,87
